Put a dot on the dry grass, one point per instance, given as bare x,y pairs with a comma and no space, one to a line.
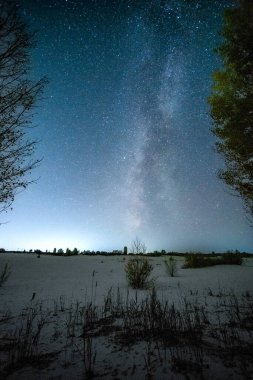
181,340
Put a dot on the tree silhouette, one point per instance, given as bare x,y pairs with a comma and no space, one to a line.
232,101
17,98
138,247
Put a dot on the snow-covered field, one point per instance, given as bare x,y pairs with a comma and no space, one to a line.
60,287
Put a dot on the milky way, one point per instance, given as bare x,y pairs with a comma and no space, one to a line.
124,129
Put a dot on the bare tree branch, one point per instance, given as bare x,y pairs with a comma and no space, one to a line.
17,98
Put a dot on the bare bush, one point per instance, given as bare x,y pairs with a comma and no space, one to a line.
138,247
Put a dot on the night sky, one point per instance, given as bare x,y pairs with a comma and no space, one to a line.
124,130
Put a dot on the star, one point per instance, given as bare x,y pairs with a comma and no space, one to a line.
124,129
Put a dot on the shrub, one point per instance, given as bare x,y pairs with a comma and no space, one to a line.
198,260
171,266
138,272
232,258
194,260
5,272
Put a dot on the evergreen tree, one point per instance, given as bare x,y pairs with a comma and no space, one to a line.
231,101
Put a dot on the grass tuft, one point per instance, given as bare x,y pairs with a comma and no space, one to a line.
5,272
171,266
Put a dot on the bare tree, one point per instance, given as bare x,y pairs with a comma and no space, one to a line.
138,247
17,97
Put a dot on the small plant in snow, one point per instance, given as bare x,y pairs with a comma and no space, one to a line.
138,272
171,266
5,272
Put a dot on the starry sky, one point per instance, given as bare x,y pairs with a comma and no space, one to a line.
124,130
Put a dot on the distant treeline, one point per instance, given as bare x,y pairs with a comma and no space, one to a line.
76,252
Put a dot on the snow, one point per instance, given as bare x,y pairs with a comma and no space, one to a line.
89,278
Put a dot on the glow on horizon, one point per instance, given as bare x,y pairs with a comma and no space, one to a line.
124,130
